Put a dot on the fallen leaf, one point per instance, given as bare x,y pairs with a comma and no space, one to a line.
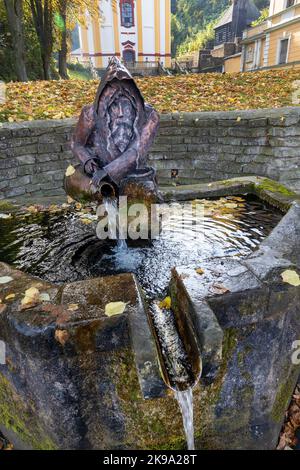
70,200
53,208
61,336
219,289
70,170
73,307
166,303
32,209
5,279
32,297
5,216
114,308
291,277
200,271
86,221
10,296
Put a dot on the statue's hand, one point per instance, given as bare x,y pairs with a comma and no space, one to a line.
91,166
98,176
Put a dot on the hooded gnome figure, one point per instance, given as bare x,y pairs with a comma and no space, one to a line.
111,141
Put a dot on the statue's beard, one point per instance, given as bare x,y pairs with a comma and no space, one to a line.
121,135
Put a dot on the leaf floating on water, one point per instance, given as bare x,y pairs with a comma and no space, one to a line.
10,297
291,277
219,289
86,221
32,209
5,279
70,170
54,208
78,206
73,307
62,336
115,308
32,297
166,303
200,271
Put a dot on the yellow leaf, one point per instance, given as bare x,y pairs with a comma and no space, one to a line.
114,308
53,208
10,119
291,277
10,296
86,221
73,307
199,271
70,200
70,170
31,296
32,209
166,303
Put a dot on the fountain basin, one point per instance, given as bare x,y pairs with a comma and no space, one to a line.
78,379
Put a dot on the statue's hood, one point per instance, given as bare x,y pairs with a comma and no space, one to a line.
116,70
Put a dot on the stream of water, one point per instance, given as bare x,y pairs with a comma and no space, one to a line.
112,209
185,400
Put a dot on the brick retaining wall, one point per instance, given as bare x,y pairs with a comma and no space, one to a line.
201,146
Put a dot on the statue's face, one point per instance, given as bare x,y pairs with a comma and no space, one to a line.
122,116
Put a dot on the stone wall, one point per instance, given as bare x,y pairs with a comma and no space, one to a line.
204,146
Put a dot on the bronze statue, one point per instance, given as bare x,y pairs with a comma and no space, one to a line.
111,141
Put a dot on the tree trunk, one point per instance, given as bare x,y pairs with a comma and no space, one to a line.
62,55
42,14
14,9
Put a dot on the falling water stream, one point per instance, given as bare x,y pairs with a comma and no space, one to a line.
185,400
112,209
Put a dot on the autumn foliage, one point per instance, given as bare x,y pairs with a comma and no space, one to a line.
182,93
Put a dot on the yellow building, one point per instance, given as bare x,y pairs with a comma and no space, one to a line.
136,31
274,43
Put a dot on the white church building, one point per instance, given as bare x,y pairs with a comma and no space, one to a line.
136,31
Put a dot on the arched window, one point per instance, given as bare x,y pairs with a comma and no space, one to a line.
127,13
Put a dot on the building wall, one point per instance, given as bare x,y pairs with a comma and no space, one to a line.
277,6
293,33
265,48
232,64
149,38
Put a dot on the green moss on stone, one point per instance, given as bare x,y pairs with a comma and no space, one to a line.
283,398
20,419
275,187
6,206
